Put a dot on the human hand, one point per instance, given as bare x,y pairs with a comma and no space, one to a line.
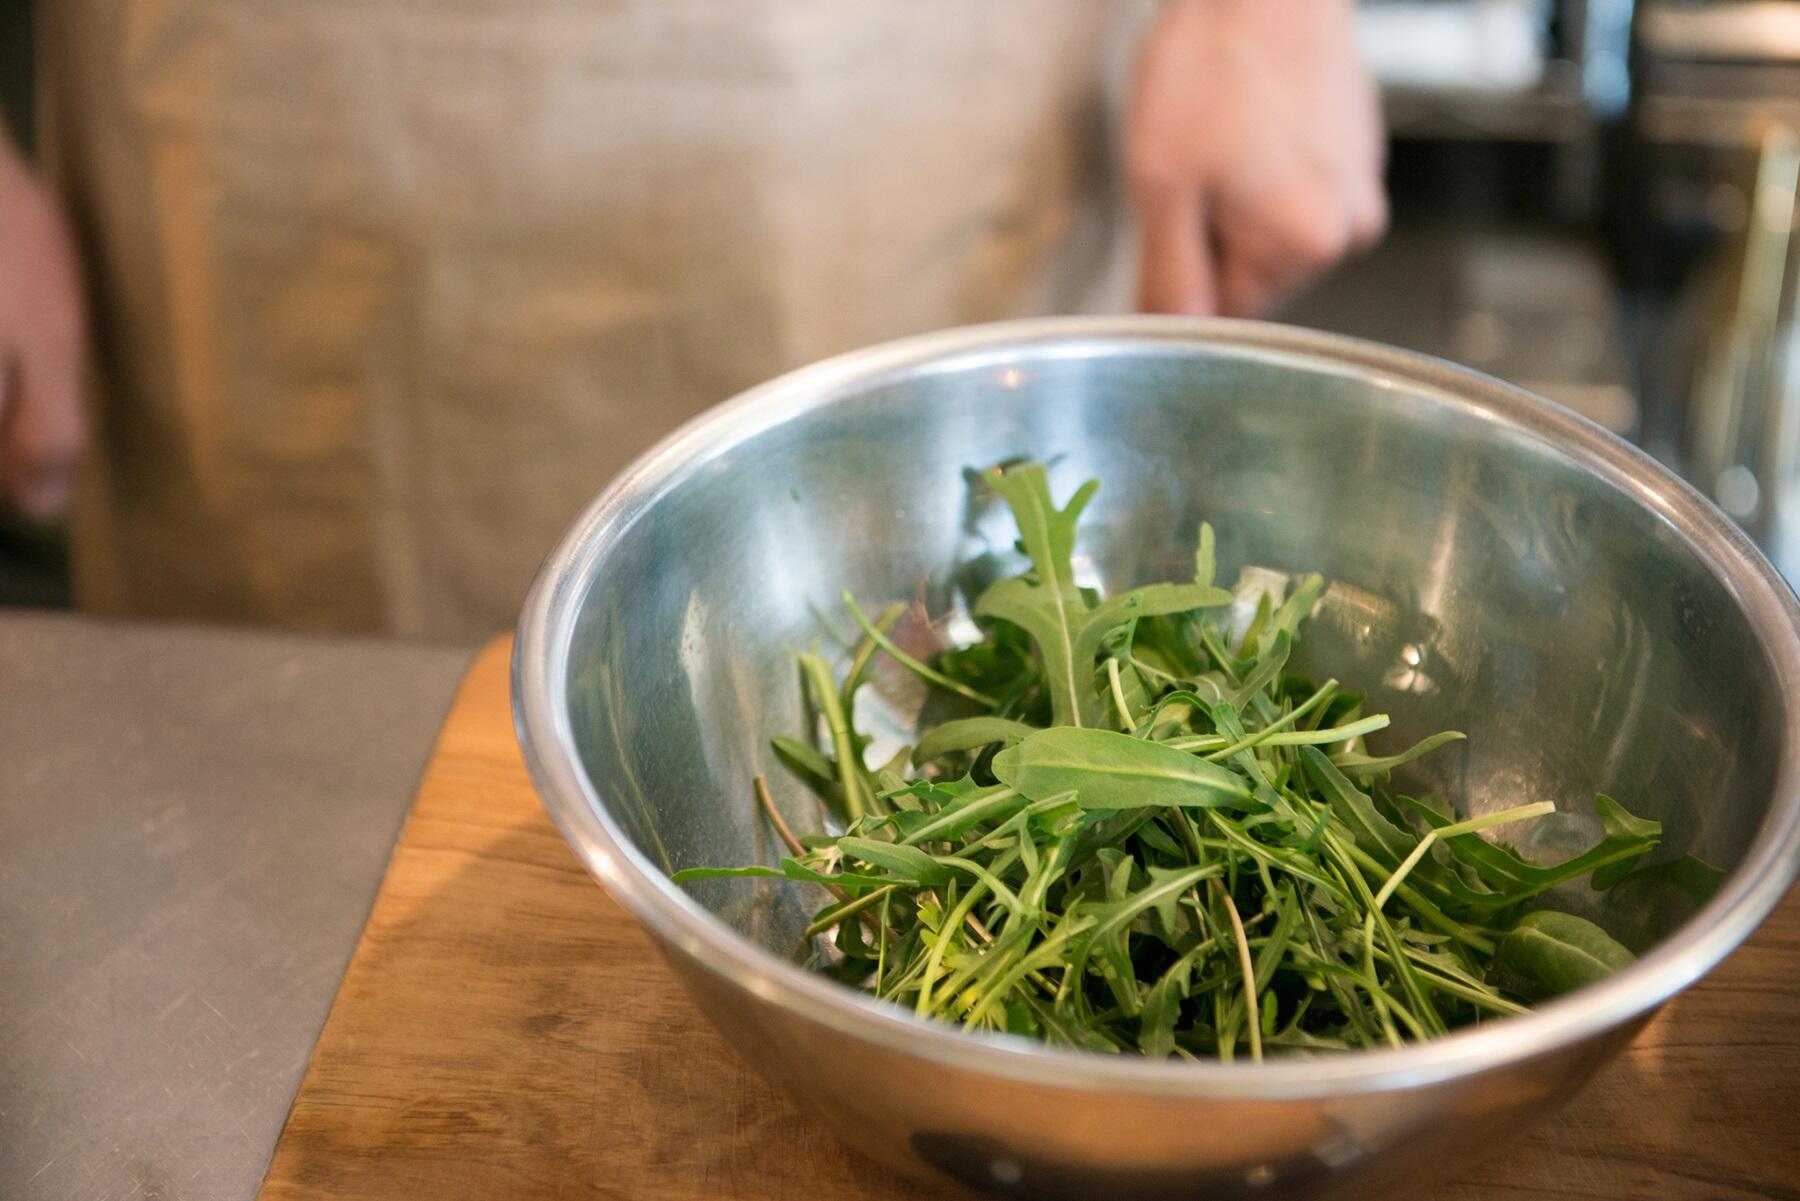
41,345
1254,153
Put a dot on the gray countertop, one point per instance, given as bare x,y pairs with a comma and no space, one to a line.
193,824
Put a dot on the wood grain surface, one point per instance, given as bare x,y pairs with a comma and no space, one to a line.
505,1031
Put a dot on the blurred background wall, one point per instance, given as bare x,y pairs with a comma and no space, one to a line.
1592,198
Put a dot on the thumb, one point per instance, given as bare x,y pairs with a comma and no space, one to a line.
1175,265
41,429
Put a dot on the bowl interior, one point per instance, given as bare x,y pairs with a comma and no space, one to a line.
1480,579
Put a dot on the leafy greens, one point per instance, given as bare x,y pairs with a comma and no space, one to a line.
1147,834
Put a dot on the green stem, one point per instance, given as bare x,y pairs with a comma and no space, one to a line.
1252,1013
913,665
881,955
865,651
1118,696
1226,747
843,740
1424,908
1325,692
849,908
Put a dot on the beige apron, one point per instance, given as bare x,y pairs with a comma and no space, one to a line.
386,290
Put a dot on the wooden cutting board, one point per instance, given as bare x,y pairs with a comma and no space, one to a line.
505,1031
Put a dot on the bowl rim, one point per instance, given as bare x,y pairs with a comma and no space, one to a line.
547,622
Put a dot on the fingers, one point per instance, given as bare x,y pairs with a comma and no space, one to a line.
41,427
1270,254
1268,251
1254,147
1366,204
1248,288
41,346
1175,267
1245,257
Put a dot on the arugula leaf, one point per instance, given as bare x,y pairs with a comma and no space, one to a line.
1161,1009
967,734
1515,880
1155,600
1206,560
905,862
1163,838
1048,605
1108,938
790,869
1108,770
965,811
806,763
1560,952
1364,767
1350,805
1052,609
1693,876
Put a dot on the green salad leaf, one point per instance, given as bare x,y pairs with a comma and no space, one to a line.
1141,829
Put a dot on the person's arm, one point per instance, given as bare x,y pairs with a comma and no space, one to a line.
41,344
1255,152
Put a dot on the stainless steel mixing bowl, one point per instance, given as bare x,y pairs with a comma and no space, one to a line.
1497,566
